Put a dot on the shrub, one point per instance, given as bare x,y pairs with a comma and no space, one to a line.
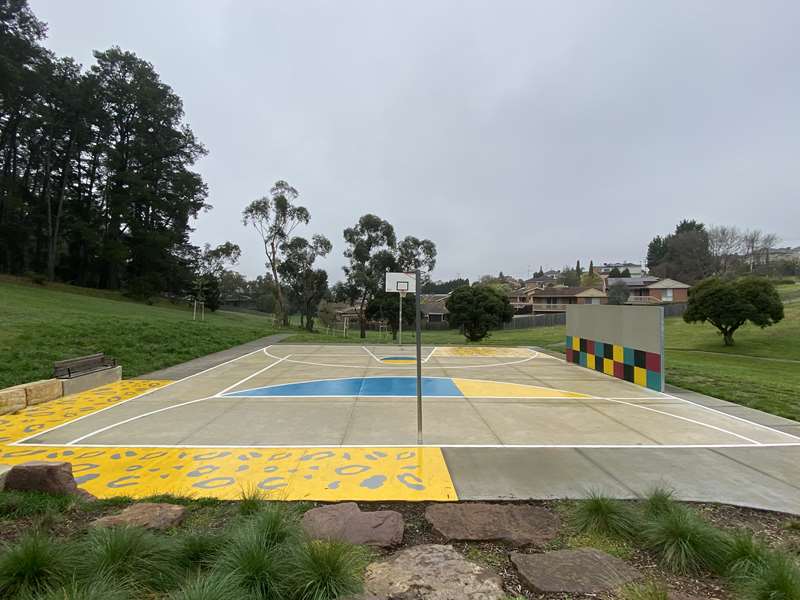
198,549
251,500
254,566
27,504
325,570
99,588
130,553
745,556
599,514
34,563
277,523
778,580
648,590
207,588
658,501
684,542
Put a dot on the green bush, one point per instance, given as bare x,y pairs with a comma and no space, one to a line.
658,501
684,543
130,553
254,565
198,549
212,587
599,514
27,504
745,556
251,500
323,570
33,564
99,588
647,590
778,580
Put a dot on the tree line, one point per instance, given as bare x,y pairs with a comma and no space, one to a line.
693,252
96,179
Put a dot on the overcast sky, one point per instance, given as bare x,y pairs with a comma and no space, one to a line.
513,134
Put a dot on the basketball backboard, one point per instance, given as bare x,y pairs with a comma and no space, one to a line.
401,282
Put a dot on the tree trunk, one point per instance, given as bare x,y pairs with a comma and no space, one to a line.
55,228
727,336
362,318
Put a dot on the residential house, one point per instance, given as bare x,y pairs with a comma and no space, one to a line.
432,307
556,299
547,278
652,290
636,270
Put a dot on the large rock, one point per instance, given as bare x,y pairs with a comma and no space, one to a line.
517,524
582,571
346,522
430,572
152,515
43,391
42,476
12,399
4,469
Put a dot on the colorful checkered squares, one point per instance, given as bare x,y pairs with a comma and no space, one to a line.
637,366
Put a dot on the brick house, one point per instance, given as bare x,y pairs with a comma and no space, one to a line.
652,290
556,299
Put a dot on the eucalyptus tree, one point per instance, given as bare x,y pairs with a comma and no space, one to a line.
308,285
372,249
275,217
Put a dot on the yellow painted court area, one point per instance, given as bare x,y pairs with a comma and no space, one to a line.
473,388
406,474
461,351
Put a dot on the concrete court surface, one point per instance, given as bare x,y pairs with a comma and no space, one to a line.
511,422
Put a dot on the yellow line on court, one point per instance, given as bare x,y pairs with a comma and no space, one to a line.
473,388
379,474
459,351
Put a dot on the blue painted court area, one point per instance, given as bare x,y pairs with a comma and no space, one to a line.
358,386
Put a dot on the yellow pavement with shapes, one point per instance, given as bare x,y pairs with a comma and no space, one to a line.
378,474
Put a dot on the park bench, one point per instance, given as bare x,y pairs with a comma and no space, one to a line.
82,365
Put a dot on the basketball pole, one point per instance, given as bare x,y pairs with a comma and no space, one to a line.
417,289
400,323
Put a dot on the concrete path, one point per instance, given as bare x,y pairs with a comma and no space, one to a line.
764,478
202,363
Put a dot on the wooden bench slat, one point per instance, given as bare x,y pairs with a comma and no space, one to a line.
66,369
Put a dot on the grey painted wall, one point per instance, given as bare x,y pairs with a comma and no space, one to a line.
639,327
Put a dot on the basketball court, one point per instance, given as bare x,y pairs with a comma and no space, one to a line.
363,396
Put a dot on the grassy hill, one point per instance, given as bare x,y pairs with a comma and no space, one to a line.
41,324
762,369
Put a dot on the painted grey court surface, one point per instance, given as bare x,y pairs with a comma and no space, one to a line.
511,422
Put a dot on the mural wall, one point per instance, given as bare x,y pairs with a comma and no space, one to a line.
626,342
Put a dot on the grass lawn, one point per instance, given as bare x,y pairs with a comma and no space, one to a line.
41,324
759,371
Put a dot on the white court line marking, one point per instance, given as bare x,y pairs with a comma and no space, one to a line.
166,408
411,367
123,422
435,348
742,437
583,396
249,377
673,397
367,350
522,446
767,427
163,387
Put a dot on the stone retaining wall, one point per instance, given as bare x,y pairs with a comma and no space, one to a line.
30,394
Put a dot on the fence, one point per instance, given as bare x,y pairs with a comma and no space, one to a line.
536,320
